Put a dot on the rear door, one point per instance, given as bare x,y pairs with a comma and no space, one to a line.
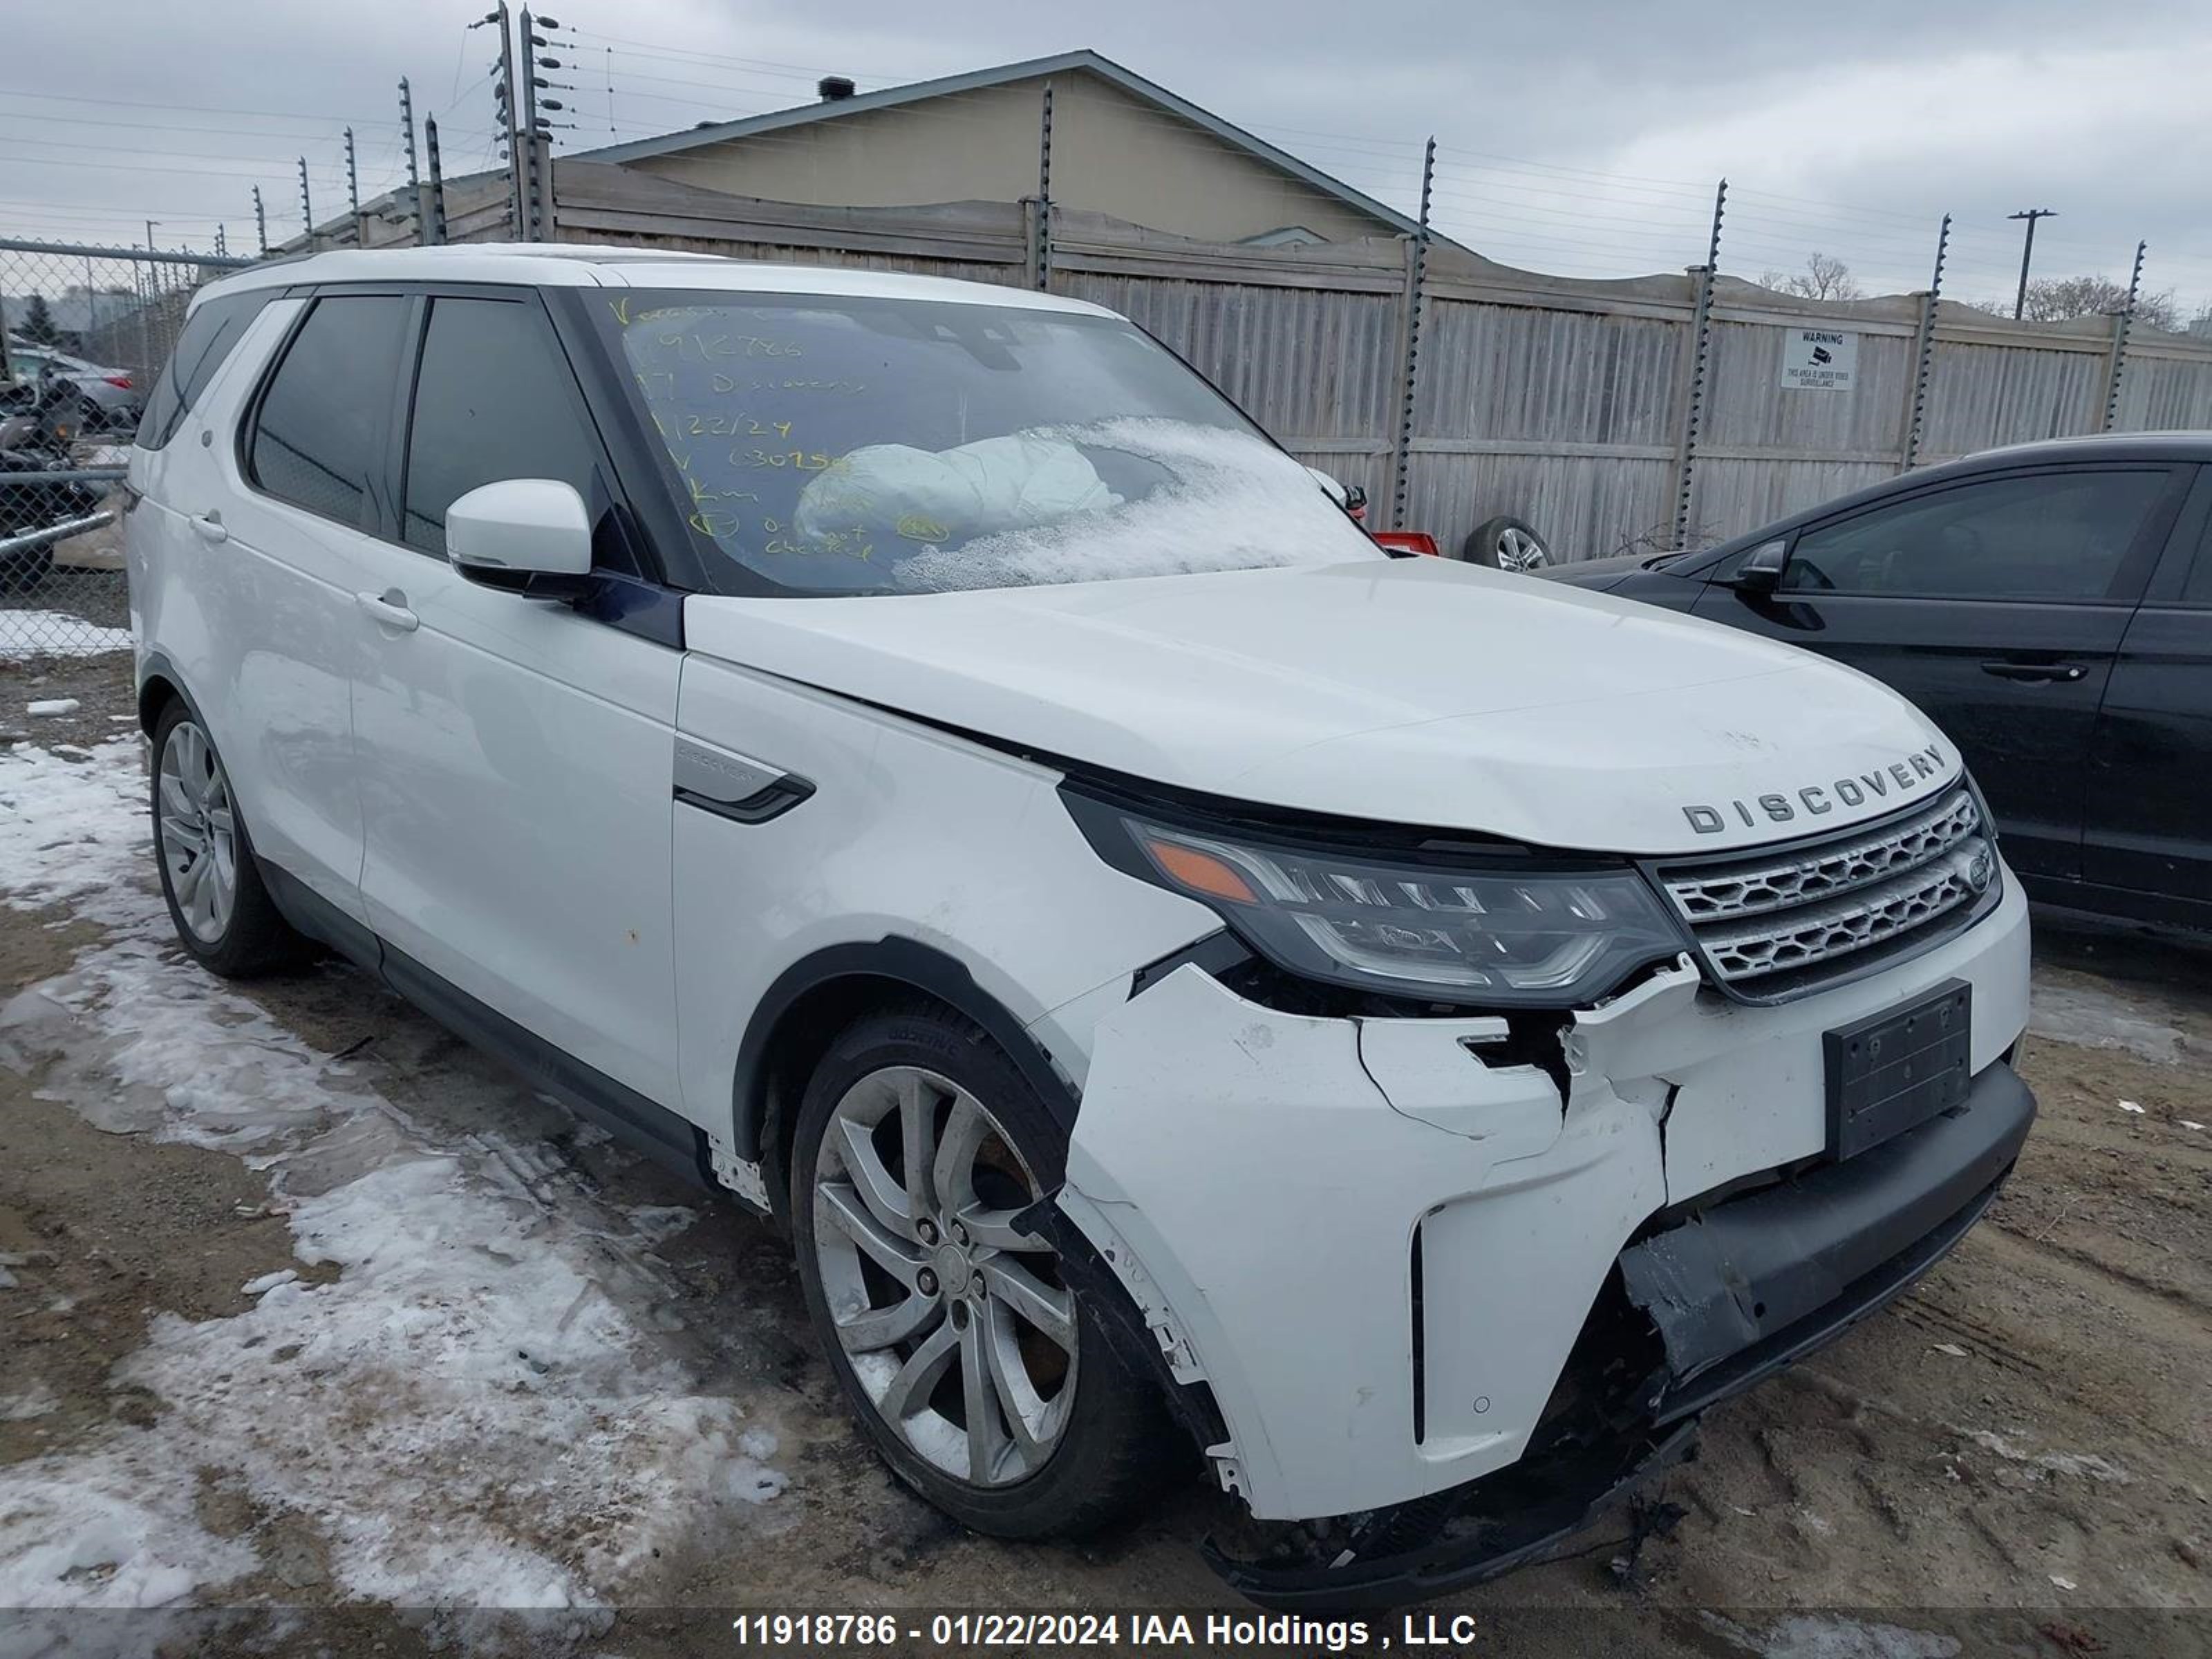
514,753
265,550
2147,827
1996,603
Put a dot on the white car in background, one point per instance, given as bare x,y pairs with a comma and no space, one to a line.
914,758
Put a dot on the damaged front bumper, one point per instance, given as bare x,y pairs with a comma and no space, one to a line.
1372,1245
1733,1294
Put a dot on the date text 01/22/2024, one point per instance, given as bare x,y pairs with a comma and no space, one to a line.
1169,1631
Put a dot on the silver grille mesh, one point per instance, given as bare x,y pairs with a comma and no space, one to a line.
1771,925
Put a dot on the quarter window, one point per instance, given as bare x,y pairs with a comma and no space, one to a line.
2050,536
2197,590
494,400
319,440
203,347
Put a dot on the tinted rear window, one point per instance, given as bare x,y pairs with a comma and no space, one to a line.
319,441
203,347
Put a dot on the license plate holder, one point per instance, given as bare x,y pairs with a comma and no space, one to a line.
1893,1071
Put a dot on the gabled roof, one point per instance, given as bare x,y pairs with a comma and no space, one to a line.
1067,62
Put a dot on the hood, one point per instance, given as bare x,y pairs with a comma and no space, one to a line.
1414,691
1601,573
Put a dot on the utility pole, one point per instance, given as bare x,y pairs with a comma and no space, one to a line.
148,287
532,222
307,207
505,92
1042,272
414,181
260,224
2027,252
1923,350
434,221
1410,365
1701,341
221,235
353,187
2123,321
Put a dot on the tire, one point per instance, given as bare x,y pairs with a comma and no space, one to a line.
1506,542
236,934
1088,1461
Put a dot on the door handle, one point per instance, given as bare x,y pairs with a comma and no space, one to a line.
2035,674
209,527
390,610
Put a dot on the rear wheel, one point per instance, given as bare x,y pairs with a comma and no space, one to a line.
1506,542
982,1380
222,913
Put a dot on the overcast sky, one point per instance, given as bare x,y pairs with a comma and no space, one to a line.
1584,139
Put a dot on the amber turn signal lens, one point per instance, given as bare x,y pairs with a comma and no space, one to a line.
1202,872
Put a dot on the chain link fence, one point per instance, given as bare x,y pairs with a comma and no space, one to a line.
84,335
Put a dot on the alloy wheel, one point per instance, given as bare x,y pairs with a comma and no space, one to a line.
955,1322
197,831
1518,551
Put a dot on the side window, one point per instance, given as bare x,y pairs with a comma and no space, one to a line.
494,399
319,438
2198,588
2056,536
203,347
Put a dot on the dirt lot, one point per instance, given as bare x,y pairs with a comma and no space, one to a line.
308,1310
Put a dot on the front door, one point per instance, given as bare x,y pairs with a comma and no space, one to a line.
2148,830
514,753
1996,605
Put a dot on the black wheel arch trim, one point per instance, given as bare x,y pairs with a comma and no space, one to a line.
905,961
155,665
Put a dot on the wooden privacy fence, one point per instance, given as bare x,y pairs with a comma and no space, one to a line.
1597,411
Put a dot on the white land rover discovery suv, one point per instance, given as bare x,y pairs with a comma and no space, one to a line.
914,757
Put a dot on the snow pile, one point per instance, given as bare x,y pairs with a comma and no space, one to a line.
75,831
1231,502
25,634
480,1406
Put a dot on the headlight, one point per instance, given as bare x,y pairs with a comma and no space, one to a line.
1448,929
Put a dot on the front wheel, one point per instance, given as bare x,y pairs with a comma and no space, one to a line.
982,1380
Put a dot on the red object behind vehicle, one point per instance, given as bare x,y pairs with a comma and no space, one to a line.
122,381
1409,541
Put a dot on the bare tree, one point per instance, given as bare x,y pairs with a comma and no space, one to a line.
2056,299
1825,277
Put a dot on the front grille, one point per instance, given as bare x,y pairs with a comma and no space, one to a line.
1777,924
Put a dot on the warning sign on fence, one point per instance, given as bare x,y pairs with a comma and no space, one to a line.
1819,360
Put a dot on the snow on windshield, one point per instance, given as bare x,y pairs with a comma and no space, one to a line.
1206,498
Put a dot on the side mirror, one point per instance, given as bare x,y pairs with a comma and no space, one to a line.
530,536
1760,571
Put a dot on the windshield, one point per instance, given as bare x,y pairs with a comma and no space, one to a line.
871,446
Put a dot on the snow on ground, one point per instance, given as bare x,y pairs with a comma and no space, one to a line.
475,1409
55,634
1831,1636
2092,1015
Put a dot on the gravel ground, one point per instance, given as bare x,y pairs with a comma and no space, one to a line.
309,1311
